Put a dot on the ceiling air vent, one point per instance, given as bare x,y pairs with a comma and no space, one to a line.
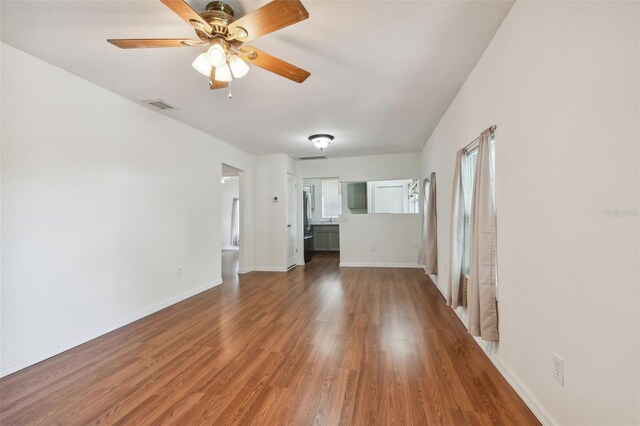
313,157
159,104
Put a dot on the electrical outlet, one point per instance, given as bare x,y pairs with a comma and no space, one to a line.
373,249
179,272
558,368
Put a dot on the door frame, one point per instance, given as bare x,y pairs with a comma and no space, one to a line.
244,246
291,220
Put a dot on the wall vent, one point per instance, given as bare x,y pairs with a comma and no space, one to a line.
313,157
159,104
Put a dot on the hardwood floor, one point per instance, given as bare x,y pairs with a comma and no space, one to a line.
318,345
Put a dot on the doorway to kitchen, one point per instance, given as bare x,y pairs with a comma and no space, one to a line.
321,207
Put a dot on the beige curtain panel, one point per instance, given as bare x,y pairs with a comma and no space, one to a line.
481,296
430,228
456,274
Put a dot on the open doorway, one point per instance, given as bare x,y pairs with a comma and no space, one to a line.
321,208
230,221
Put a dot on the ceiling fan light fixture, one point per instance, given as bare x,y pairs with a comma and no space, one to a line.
238,67
202,65
223,39
217,56
321,141
223,73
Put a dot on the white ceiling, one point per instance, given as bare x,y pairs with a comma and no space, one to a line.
382,72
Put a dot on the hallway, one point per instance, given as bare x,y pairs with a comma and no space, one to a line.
317,345
230,264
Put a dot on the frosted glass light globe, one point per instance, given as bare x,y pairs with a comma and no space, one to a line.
216,56
223,73
238,67
202,65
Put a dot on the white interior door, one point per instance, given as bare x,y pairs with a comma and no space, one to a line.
389,199
291,221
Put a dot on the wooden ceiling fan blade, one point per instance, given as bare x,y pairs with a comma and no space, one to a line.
137,43
215,84
188,15
271,63
269,18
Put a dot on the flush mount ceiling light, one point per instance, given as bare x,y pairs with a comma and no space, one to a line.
224,38
321,141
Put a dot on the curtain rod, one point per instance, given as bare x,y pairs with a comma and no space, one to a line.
492,129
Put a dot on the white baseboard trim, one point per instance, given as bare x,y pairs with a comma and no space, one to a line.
378,265
41,355
514,381
232,248
269,269
244,271
523,392
442,292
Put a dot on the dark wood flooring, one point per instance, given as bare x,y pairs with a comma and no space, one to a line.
318,345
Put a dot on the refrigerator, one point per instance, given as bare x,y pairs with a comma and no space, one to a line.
308,231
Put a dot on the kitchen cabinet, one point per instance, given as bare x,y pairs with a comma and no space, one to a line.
326,237
334,240
357,195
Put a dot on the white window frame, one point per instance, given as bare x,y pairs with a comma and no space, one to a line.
338,195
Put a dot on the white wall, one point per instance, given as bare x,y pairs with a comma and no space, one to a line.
102,200
270,242
394,237
379,240
362,168
230,190
560,80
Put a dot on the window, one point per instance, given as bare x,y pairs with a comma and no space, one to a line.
468,178
331,199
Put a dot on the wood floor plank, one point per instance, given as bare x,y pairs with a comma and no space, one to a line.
318,345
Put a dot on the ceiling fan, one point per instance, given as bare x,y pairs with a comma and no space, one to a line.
227,54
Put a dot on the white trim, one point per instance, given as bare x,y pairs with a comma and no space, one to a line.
244,271
523,392
442,292
233,248
514,381
300,263
269,269
378,265
36,357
